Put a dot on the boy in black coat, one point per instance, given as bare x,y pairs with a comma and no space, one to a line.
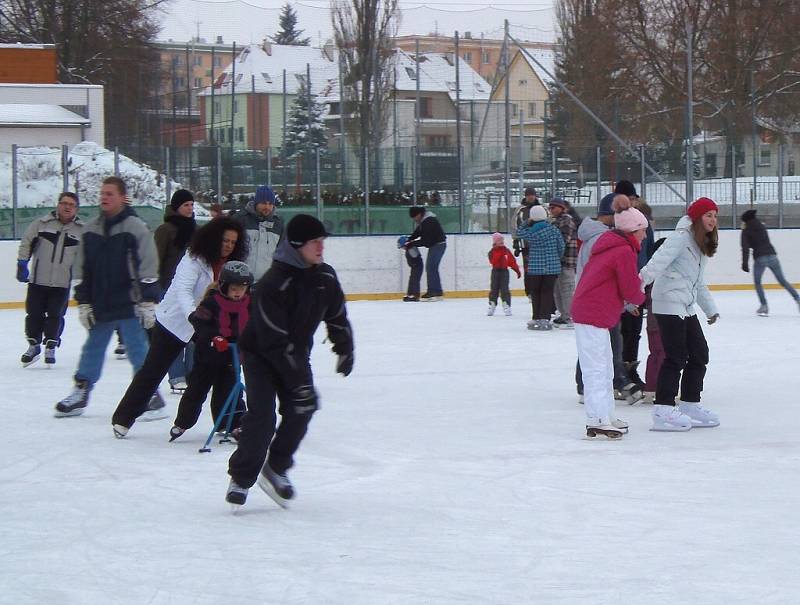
289,301
218,320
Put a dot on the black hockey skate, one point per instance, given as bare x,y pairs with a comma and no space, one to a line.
632,367
50,352
120,351
277,486
236,496
156,409
75,403
32,354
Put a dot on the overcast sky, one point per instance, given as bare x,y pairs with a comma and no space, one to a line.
247,21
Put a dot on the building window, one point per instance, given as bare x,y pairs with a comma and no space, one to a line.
333,109
217,61
411,73
216,108
485,57
765,156
198,82
514,109
438,140
180,82
468,56
198,60
235,106
531,110
425,107
240,134
221,135
523,82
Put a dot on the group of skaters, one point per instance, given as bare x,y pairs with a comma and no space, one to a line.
185,299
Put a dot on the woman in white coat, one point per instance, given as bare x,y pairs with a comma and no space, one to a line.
214,244
677,269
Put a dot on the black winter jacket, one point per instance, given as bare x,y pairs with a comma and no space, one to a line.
289,302
755,236
428,233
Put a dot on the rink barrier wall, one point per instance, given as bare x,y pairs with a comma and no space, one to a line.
372,268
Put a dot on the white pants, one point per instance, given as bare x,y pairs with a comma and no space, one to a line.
597,366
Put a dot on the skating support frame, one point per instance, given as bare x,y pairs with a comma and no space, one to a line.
229,408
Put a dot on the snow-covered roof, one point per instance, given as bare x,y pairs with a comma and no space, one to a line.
260,71
39,115
547,58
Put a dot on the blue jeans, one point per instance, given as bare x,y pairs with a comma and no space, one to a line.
435,254
183,363
760,265
93,353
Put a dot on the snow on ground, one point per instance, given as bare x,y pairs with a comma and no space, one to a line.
449,468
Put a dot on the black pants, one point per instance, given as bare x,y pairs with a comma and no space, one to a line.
685,359
415,277
540,289
499,286
524,255
164,348
258,425
45,308
631,327
621,379
207,375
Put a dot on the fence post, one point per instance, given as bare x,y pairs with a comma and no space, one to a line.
219,174
14,191
318,185
116,161
780,186
733,185
554,152
168,173
269,166
599,168
644,174
65,167
414,173
462,204
366,190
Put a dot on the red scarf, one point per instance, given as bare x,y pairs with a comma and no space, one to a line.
227,308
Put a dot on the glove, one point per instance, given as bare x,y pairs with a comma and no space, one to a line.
86,316
304,399
220,344
344,364
713,319
745,268
519,275
22,271
517,248
146,312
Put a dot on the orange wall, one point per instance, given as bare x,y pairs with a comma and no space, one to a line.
28,66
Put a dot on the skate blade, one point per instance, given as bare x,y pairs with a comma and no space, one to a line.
670,429
235,508
592,435
30,363
267,488
151,415
599,437
77,412
704,426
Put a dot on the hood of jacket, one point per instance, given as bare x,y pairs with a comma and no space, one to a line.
288,254
590,228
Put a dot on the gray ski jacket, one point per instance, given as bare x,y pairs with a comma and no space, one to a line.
54,248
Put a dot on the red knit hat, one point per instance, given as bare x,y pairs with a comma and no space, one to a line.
700,207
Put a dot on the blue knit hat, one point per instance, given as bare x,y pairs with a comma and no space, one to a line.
264,194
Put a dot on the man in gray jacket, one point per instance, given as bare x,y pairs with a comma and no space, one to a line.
49,245
264,230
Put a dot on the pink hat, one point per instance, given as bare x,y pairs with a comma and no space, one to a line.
700,207
497,239
630,220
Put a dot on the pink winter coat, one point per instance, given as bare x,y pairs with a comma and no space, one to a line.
609,280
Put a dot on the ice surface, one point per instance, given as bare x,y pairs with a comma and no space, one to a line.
449,468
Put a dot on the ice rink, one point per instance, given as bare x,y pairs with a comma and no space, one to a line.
449,468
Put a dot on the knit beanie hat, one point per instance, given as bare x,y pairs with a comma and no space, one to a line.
630,220
538,213
415,210
265,195
748,215
626,188
303,228
497,239
700,207
559,201
180,197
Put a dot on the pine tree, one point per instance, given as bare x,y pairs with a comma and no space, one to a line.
288,34
305,130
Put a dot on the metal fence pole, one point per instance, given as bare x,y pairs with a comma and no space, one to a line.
414,173
14,191
269,166
554,160
462,204
366,190
780,186
733,186
116,161
168,184
65,168
643,191
219,174
599,186
521,153
318,183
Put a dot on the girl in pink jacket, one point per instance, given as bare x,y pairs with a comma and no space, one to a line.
609,280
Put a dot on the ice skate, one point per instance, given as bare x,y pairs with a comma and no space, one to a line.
175,432
631,393
410,298
619,424
580,398
631,367
276,486
156,409
50,352
236,495
120,351
669,418
535,324
700,416
177,386
75,403
545,325
763,311
648,396
601,430
490,310
120,430
32,354
507,309
431,297
564,324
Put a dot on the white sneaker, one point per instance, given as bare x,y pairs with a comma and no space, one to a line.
699,415
490,310
507,309
670,418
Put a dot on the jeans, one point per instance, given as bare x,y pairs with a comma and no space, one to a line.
760,265
435,254
685,359
93,353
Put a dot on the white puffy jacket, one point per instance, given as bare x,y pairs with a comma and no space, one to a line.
678,268
192,278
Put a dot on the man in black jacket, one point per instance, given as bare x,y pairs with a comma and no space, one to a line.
294,295
429,233
755,236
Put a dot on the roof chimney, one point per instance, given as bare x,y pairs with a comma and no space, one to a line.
468,35
219,40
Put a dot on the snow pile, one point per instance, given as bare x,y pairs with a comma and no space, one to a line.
40,179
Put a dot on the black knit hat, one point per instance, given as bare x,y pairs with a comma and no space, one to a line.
303,228
626,188
748,215
180,197
415,211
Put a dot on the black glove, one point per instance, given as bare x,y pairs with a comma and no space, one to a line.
344,364
745,268
517,249
304,399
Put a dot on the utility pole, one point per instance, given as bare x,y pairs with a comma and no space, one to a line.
689,114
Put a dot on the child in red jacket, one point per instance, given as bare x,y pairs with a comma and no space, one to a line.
609,280
501,260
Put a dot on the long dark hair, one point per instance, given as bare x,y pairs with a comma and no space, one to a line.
707,241
207,240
